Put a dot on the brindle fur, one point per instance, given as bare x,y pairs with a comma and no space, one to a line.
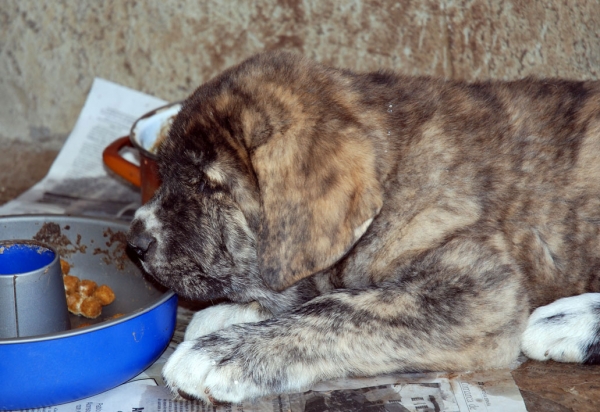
382,222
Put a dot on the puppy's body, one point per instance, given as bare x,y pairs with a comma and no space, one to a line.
371,223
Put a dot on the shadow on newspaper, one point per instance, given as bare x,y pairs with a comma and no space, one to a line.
424,397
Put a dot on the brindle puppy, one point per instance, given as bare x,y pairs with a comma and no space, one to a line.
369,223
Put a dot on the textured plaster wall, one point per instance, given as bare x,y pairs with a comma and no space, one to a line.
50,51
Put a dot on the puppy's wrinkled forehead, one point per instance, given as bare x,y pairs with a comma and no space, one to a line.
204,142
229,117
188,152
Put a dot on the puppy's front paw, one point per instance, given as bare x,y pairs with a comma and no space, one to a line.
218,317
567,330
212,369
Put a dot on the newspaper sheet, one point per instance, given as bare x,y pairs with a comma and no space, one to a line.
79,184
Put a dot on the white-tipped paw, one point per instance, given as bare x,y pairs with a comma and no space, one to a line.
198,373
224,366
565,331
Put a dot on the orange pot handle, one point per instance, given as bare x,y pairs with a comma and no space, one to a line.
118,164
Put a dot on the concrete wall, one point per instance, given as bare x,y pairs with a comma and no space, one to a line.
50,51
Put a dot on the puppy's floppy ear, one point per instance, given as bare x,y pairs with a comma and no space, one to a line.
319,195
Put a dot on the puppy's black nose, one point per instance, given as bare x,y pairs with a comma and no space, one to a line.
141,243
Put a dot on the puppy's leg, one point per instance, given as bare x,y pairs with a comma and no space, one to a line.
221,316
457,324
567,330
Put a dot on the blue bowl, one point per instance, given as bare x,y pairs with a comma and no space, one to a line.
66,366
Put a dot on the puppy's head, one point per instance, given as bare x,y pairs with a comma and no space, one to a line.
269,175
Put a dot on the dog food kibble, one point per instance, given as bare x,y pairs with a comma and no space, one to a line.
71,284
65,267
87,287
105,295
73,301
90,307
85,297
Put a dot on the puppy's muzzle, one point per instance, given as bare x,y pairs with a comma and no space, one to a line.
140,241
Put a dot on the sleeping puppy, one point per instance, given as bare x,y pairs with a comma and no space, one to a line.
362,224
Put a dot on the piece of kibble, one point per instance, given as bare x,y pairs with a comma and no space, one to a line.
105,295
87,287
71,284
90,307
65,267
74,302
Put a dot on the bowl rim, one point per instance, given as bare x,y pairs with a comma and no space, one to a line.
177,106
168,294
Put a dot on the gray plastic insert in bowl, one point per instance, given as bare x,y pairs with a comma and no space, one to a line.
32,293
